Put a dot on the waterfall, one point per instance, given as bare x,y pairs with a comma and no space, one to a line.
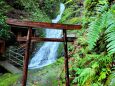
47,54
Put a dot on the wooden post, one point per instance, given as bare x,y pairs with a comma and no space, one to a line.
66,58
26,58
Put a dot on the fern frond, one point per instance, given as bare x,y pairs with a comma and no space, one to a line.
110,34
87,74
94,31
102,8
110,28
105,23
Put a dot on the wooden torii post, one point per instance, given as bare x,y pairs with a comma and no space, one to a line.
30,25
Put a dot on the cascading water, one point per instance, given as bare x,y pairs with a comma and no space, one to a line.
48,52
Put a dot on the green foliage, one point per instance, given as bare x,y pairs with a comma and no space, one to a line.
2,22
4,34
72,13
85,75
4,7
43,10
4,28
94,31
8,79
91,69
88,67
103,25
36,14
92,9
50,7
67,14
111,79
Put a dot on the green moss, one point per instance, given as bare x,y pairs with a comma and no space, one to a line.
8,79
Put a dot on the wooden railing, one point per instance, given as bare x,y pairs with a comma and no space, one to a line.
64,39
16,55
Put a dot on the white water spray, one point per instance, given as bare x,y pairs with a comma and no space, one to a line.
47,54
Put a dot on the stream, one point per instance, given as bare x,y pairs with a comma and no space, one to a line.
47,54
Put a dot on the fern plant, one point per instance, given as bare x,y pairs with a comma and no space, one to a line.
92,69
104,24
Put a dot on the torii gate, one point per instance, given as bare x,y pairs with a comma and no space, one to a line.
30,25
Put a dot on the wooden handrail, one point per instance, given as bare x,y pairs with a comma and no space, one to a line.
15,22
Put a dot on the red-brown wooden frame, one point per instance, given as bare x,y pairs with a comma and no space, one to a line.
30,24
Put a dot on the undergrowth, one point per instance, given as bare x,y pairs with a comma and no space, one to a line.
8,79
91,63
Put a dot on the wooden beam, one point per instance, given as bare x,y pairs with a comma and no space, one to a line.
38,39
26,57
66,58
15,22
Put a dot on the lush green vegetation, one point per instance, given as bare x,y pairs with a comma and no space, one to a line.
4,34
93,59
92,52
8,79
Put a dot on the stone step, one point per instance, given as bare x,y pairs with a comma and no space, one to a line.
11,68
